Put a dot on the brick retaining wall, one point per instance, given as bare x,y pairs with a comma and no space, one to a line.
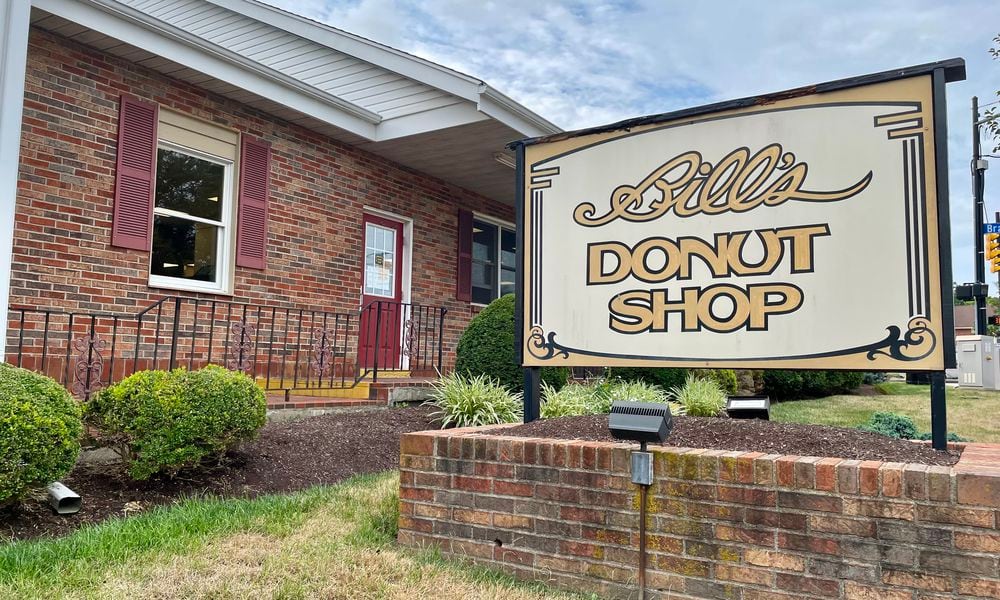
722,524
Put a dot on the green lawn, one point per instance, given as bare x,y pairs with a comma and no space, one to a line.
327,542
973,414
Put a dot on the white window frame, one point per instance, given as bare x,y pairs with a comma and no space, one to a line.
225,245
500,225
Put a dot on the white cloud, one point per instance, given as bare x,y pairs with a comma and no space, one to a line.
583,63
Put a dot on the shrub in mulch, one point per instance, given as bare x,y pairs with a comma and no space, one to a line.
39,432
166,421
286,457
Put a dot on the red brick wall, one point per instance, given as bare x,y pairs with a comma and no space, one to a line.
62,253
721,524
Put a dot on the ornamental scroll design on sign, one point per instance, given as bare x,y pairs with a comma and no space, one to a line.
917,342
323,351
543,346
241,346
89,365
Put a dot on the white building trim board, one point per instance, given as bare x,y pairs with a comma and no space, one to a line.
15,17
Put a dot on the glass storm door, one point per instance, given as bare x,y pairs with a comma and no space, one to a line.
379,342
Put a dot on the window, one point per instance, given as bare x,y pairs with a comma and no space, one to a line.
192,210
493,261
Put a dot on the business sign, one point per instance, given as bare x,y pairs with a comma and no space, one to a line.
801,230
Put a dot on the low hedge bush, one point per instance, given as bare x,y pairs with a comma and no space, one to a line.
487,348
464,401
40,431
890,424
165,421
796,385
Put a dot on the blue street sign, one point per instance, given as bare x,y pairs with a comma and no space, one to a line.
991,228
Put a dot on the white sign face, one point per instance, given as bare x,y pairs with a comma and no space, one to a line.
802,233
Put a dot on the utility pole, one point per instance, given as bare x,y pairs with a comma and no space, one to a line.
978,166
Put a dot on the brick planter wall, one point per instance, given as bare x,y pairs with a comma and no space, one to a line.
722,524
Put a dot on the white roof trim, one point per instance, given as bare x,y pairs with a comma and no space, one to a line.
142,30
464,86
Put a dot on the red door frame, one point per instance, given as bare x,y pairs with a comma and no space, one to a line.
381,316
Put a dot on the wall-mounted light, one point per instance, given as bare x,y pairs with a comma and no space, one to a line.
504,159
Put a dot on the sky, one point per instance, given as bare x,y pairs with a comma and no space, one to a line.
586,63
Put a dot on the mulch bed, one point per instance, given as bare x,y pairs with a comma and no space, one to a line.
751,436
286,457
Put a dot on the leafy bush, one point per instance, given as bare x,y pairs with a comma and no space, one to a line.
795,385
487,348
472,401
162,422
726,378
39,432
663,377
699,397
874,378
890,424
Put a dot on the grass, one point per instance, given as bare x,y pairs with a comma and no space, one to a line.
328,542
973,414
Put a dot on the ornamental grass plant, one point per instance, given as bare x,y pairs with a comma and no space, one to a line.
470,401
699,397
596,397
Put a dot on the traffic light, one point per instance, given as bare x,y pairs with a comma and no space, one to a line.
993,251
993,320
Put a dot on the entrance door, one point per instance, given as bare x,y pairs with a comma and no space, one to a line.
382,291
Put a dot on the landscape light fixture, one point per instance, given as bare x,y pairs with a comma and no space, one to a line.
749,407
641,422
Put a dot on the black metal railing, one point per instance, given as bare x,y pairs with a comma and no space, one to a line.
396,336
283,348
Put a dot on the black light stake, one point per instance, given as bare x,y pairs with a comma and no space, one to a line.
641,422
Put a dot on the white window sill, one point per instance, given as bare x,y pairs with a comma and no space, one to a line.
182,286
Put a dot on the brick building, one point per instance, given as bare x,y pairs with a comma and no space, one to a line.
222,181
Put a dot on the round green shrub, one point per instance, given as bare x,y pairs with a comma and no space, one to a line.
665,378
162,422
39,432
487,348
795,385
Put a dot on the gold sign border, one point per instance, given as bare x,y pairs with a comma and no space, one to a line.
902,350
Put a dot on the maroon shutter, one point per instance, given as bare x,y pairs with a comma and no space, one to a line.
255,180
463,289
135,174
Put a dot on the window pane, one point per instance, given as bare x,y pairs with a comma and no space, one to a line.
508,242
482,295
484,242
184,249
483,275
506,281
189,185
380,261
